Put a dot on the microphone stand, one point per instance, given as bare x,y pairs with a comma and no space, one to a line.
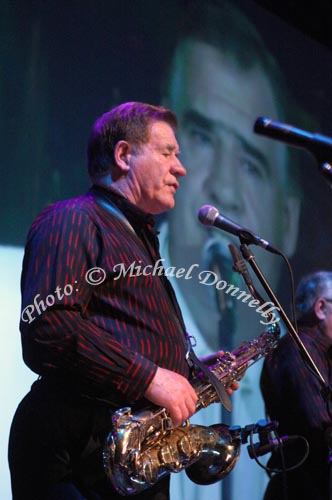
326,391
220,264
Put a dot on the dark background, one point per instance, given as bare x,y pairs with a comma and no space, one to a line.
312,18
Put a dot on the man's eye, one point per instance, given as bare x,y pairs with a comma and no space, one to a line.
252,168
200,137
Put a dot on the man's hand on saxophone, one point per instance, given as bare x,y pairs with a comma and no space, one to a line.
173,392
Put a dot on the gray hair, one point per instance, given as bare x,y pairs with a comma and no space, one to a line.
310,288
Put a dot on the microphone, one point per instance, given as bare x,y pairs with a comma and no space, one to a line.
210,216
259,449
317,144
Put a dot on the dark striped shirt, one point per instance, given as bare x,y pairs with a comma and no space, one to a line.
110,337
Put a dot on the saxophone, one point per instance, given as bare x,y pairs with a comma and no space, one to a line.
143,447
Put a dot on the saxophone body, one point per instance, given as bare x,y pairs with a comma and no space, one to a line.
143,447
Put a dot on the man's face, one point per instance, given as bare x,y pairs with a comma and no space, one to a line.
323,310
329,321
240,173
155,170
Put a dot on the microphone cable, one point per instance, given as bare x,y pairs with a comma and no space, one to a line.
280,447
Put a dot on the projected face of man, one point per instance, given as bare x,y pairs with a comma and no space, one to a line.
230,167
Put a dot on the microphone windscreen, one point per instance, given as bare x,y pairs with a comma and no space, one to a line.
260,124
207,215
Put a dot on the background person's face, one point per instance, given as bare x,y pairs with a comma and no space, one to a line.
228,165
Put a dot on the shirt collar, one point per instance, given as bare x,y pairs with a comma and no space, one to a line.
137,218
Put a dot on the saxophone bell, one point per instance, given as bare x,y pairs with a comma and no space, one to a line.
215,463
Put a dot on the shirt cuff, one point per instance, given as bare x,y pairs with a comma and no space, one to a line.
137,378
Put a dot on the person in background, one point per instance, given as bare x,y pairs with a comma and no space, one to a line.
292,395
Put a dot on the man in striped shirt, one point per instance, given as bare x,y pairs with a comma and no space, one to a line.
100,339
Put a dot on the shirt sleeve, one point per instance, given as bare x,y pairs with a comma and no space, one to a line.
57,335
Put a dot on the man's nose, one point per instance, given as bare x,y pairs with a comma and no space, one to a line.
177,168
225,184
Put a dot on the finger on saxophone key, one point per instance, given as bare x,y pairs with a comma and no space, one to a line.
212,358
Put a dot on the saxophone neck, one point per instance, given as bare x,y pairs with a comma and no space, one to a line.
232,366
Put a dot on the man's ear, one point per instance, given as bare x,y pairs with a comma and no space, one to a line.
291,216
320,309
122,156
